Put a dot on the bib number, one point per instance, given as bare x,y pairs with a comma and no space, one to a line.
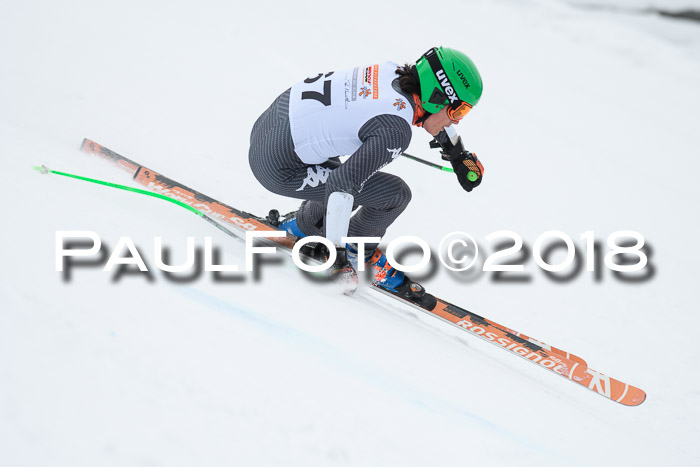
323,97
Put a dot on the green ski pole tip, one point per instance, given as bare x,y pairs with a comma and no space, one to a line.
472,176
41,169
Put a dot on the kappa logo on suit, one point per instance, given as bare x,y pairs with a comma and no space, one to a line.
314,177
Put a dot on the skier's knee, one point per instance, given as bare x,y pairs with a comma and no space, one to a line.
402,196
399,197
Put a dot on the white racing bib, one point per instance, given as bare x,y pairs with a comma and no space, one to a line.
327,111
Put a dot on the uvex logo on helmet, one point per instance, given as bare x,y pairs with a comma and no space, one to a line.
461,76
446,85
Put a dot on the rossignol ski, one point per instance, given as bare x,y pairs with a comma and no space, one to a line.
551,358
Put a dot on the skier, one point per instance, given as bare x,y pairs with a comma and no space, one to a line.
365,112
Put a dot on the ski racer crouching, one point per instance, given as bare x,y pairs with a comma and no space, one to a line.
365,112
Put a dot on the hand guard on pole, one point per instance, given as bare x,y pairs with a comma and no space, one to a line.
466,165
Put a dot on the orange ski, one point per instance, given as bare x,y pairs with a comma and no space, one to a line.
534,351
160,184
551,358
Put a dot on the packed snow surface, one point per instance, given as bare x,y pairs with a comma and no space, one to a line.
588,122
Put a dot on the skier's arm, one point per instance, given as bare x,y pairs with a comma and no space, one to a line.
384,138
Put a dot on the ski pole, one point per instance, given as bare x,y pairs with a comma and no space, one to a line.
45,170
428,163
471,175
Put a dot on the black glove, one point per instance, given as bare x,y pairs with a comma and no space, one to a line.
466,165
469,171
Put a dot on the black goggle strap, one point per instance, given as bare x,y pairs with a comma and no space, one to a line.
438,97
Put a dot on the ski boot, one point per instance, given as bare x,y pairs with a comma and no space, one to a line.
288,222
385,276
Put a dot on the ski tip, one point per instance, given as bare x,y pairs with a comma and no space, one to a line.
633,397
88,146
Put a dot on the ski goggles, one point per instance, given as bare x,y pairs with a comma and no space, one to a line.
457,110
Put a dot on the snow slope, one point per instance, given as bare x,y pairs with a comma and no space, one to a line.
588,122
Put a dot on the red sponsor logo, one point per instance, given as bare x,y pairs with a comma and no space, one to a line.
367,75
